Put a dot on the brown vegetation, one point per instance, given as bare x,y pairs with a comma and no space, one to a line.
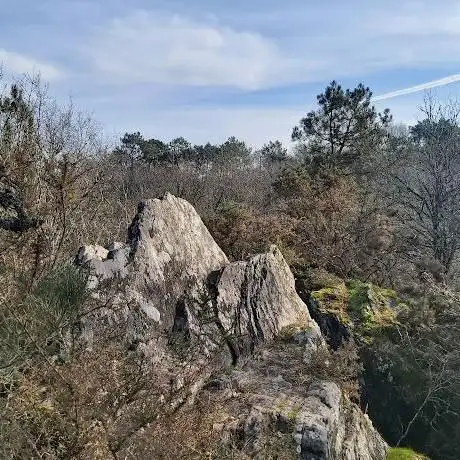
364,211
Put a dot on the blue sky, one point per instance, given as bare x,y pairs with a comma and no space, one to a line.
210,69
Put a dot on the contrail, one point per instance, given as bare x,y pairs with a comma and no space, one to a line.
414,89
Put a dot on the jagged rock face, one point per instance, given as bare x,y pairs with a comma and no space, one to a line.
171,249
171,275
171,279
256,300
148,281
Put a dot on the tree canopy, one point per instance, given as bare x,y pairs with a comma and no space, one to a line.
342,129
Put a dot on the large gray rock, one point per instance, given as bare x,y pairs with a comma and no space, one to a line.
256,300
145,284
171,276
173,296
172,252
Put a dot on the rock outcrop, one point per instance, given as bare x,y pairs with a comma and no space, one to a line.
151,283
256,300
171,284
285,408
351,309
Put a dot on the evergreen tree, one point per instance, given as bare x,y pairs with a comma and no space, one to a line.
342,130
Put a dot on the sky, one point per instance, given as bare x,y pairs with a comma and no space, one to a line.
210,69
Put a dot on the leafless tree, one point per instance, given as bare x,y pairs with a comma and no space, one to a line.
426,176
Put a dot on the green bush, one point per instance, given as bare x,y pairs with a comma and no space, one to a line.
62,291
38,323
32,332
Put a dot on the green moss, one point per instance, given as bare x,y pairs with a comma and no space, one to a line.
398,453
367,308
372,308
333,300
357,295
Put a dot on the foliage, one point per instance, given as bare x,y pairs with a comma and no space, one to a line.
64,289
234,151
323,209
37,325
273,153
134,148
412,379
364,201
243,232
342,129
47,179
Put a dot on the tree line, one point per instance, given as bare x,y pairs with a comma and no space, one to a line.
416,167
133,147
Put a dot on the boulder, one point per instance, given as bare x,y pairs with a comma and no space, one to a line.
273,409
171,276
91,252
257,299
146,283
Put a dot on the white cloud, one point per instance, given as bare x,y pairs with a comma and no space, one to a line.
151,48
417,88
415,19
156,57
157,48
17,63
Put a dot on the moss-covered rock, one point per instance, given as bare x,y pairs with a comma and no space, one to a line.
333,300
398,453
364,308
372,308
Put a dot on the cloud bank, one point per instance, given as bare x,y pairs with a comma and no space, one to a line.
145,47
17,63
158,47
208,68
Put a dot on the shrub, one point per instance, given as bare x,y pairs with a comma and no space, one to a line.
36,325
243,232
63,290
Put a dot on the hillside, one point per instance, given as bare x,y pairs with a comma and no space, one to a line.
310,312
